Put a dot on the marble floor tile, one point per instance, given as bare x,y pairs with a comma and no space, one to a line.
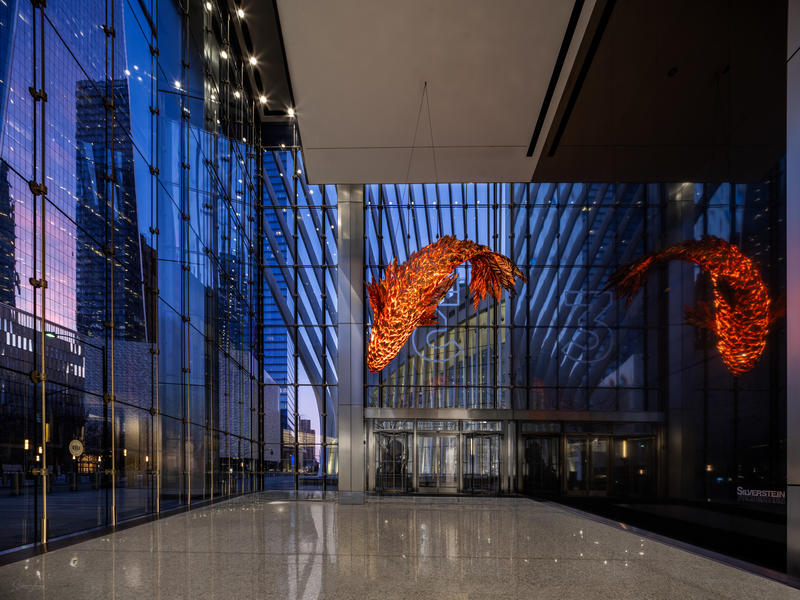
260,547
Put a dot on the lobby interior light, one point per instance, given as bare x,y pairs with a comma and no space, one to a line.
27,444
236,93
177,84
208,6
253,61
290,112
263,99
240,13
223,55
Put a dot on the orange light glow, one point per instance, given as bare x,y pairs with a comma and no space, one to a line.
741,312
408,294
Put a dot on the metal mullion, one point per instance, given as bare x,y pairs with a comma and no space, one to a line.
295,300
324,359
403,234
427,216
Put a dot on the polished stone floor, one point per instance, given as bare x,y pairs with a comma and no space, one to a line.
257,547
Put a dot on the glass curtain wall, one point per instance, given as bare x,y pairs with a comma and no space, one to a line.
164,286
300,341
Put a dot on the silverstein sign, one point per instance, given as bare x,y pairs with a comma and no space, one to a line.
762,496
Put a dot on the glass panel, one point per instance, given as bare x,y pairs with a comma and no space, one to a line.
577,464
427,462
600,464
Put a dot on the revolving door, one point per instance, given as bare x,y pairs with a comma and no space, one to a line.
392,474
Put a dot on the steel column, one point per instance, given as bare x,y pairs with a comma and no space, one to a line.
350,310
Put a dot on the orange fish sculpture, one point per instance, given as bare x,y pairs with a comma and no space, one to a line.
408,294
741,312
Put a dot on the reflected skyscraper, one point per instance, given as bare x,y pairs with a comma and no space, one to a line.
108,226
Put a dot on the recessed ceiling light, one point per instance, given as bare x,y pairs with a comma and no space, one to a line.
177,84
208,6
290,112
223,55
262,99
240,12
236,93
253,60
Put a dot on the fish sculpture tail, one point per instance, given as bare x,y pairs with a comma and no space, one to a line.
491,274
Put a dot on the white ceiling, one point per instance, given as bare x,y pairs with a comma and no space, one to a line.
358,67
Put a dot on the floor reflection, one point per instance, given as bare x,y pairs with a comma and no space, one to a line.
259,547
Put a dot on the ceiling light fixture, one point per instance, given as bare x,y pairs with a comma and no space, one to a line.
290,112
240,13
236,93
223,55
262,99
177,84
253,60
208,6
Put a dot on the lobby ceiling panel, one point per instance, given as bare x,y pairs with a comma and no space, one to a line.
358,70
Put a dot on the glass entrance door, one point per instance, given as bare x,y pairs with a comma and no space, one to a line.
541,464
481,466
392,473
588,464
437,457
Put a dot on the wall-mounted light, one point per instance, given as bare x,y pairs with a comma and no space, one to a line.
27,444
146,458
262,99
124,452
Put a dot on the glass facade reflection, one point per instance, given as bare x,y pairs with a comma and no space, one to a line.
166,280
590,396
